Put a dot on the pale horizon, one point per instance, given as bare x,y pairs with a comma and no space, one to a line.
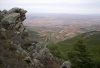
54,6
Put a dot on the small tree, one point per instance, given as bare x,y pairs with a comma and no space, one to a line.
79,57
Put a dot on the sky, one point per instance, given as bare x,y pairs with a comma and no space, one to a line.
54,6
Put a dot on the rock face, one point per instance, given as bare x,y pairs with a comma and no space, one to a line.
17,50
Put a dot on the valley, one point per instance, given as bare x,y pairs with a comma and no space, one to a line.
58,27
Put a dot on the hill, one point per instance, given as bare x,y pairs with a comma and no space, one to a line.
91,39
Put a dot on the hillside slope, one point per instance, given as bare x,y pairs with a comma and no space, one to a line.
91,39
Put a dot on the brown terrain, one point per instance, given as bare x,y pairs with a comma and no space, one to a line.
58,27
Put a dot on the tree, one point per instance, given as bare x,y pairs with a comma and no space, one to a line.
79,57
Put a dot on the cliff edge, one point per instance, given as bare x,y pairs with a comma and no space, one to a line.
17,50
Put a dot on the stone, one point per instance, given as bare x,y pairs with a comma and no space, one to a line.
19,10
66,64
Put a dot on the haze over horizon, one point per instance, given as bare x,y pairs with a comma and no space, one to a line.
54,6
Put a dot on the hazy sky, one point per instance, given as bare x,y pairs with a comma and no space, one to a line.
54,6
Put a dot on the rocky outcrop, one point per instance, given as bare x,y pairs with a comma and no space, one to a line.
17,50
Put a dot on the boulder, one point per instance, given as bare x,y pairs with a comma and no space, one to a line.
66,64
